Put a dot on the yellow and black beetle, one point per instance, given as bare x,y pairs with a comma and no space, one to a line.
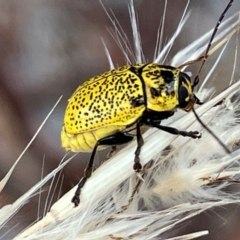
102,109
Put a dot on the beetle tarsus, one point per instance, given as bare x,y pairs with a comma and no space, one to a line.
137,166
191,134
76,198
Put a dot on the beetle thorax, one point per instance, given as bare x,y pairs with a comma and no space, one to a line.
161,84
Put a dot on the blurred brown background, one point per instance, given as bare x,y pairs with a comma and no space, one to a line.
48,48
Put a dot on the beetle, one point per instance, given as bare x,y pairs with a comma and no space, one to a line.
102,109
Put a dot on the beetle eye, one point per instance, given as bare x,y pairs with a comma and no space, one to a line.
183,97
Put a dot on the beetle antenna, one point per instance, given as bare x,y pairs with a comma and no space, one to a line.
196,79
211,132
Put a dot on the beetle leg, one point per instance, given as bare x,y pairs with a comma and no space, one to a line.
117,139
87,174
137,166
175,131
